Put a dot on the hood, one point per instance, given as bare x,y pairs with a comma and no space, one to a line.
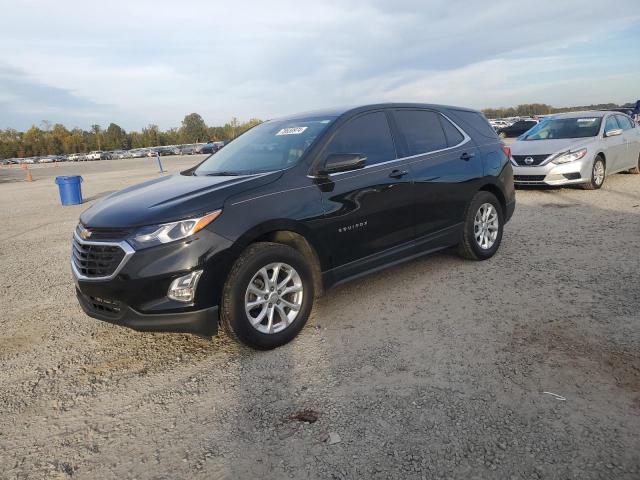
169,198
547,147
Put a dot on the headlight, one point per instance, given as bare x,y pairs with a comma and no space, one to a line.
569,156
152,235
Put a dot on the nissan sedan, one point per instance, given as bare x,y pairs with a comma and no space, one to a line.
577,148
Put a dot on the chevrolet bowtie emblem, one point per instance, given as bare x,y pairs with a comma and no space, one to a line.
84,233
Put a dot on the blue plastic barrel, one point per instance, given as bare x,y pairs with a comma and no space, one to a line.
70,191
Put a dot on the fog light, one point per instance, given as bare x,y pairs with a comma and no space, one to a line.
183,289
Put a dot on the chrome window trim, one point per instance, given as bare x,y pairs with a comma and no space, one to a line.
465,139
128,252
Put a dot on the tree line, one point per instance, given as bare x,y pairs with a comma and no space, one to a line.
56,139
529,109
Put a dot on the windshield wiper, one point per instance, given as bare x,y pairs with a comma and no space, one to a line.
222,174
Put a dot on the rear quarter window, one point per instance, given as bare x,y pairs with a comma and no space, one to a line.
476,120
454,137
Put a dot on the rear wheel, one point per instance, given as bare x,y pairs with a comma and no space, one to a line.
636,169
598,174
483,226
268,296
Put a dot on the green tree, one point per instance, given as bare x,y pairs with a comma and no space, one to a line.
115,137
96,130
10,143
170,137
58,137
33,140
193,129
151,136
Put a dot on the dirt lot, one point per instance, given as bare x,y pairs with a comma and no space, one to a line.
434,369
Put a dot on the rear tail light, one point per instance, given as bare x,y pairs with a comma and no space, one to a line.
507,151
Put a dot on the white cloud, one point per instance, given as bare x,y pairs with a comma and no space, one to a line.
155,61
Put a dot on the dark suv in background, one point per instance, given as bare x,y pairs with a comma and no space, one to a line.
517,128
254,233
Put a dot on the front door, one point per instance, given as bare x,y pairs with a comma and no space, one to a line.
367,211
616,146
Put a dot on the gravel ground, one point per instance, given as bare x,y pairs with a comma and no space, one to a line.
434,369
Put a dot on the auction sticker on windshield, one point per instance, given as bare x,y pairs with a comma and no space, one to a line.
291,131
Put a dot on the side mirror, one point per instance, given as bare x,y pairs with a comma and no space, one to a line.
613,133
343,162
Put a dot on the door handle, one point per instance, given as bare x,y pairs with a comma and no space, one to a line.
398,173
467,156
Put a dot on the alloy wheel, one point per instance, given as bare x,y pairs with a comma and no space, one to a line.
485,226
598,172
273,298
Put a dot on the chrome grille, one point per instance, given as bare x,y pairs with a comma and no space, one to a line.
97,260
103,233
537,159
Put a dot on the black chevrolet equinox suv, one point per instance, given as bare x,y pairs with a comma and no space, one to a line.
249,237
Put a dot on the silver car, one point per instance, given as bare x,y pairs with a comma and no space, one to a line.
577,148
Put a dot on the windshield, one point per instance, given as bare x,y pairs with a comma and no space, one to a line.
273,145
558,128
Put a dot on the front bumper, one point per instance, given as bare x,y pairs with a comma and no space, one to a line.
135,295
200,322
554,175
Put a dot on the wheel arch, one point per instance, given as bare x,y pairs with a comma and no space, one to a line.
292,234
495,190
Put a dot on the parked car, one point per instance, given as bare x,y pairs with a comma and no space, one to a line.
517,128
168,151
577,148
153,152
251,236
498,124
116,154
52,158
98,155
138,153
188,149
210,147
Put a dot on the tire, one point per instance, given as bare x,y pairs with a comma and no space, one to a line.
593,183
235,319
473,245
636,169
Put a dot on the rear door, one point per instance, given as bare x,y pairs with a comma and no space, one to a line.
632,140
444,163
367,211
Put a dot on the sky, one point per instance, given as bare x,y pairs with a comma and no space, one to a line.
139,62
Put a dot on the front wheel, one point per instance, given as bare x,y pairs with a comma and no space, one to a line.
598,173
483,227
268,296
